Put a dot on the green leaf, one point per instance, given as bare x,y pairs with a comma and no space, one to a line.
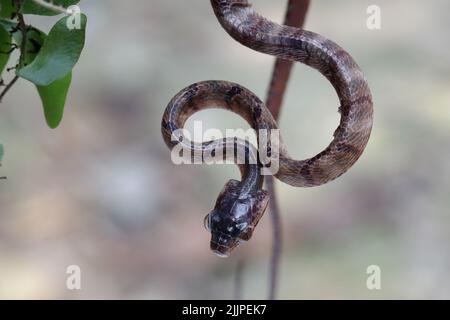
59,54
53,99
6,8
53,96
5,46
31,7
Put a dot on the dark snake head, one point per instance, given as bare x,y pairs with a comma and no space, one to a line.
234,217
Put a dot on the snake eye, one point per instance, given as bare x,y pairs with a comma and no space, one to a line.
207,223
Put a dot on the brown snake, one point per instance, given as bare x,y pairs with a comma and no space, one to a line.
241,204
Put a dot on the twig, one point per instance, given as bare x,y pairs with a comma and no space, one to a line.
8,87
277,244
23,30
295,16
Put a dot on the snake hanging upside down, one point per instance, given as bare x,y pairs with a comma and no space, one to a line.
241,204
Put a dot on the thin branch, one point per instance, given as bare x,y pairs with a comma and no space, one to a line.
23,29
295,16
8,87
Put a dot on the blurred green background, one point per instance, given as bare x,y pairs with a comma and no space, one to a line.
101,192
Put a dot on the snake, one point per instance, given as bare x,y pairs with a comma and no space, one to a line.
242,203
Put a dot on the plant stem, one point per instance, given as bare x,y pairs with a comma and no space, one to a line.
23,30
295,17
8,87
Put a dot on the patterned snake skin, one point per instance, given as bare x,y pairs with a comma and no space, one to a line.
241,204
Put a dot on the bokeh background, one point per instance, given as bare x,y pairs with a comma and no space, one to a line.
101,192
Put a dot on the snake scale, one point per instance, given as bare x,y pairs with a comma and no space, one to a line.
241,204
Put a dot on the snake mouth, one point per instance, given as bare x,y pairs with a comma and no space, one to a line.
223,245
221,250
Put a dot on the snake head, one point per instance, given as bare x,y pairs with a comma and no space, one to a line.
234,217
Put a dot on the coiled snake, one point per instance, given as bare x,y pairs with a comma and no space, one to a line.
241,204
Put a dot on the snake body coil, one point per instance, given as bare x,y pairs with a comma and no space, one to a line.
241,204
